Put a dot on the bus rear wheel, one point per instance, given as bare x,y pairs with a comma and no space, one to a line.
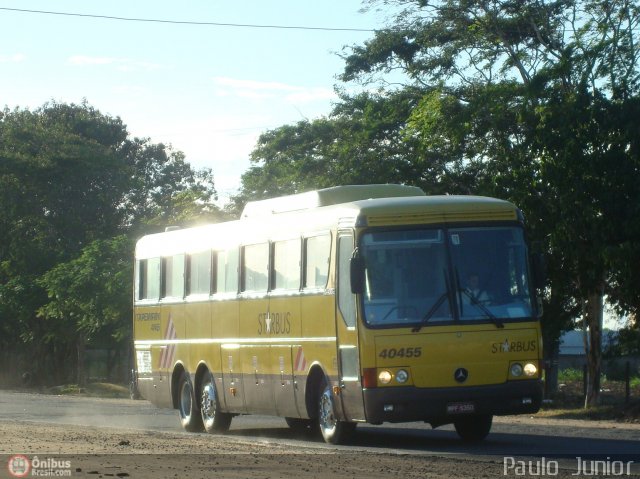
214,420
333,430
474,428
187,405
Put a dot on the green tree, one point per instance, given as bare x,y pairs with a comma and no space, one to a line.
166,190
71,176
91,294
62,178
541,96
62,182
364,140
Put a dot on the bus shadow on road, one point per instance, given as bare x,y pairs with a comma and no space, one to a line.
279,433
499,444
445,442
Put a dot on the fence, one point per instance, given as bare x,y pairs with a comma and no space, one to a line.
624,369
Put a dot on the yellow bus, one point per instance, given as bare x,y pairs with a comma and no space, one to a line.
353,304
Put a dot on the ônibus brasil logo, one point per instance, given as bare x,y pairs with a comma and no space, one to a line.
19,465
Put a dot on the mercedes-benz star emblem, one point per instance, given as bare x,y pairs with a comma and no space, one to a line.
461,375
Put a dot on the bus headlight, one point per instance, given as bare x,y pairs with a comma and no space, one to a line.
516,370
530,369
384,377
402,376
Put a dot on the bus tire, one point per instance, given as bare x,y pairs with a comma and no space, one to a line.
474,428
187,405
213,419
333,430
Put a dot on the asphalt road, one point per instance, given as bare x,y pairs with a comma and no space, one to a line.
521,438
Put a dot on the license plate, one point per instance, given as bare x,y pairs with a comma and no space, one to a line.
461,408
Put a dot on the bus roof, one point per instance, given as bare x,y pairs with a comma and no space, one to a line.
344,206
434,209
327,197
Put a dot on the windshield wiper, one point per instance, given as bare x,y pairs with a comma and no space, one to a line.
437,303
478,304
431,312
483,308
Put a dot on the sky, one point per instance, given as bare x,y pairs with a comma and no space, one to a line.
209,91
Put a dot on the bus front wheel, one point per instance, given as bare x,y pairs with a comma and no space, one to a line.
187,406
214,420
333,430
474,428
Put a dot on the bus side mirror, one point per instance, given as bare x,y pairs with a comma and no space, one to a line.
539,265
356,266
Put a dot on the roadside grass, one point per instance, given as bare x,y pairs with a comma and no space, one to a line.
98,389
599,413
568,401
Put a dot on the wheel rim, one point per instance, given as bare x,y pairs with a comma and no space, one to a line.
208,402
185,400
327,418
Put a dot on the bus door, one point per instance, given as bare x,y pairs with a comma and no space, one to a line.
256,329
283,387
347,334
232,386
255,355
284,322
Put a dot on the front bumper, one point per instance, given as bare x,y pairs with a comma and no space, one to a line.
433,405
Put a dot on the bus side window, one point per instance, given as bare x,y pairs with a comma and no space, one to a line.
149,278
141,267
226,271
317,250
255,267
286,264
199,273
173,276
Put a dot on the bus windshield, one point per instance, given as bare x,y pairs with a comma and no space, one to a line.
435,276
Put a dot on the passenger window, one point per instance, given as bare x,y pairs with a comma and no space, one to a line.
227,271
255,267
317,252
199,278
149,278
173,276
286,264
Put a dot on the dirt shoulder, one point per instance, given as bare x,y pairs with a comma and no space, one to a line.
605,429
105,452
100,452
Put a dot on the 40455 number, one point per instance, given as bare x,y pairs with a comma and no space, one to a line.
392,353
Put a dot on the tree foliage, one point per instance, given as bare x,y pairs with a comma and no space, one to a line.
531,101
92,290
72,183
165,189
545,94
366,139
90,296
